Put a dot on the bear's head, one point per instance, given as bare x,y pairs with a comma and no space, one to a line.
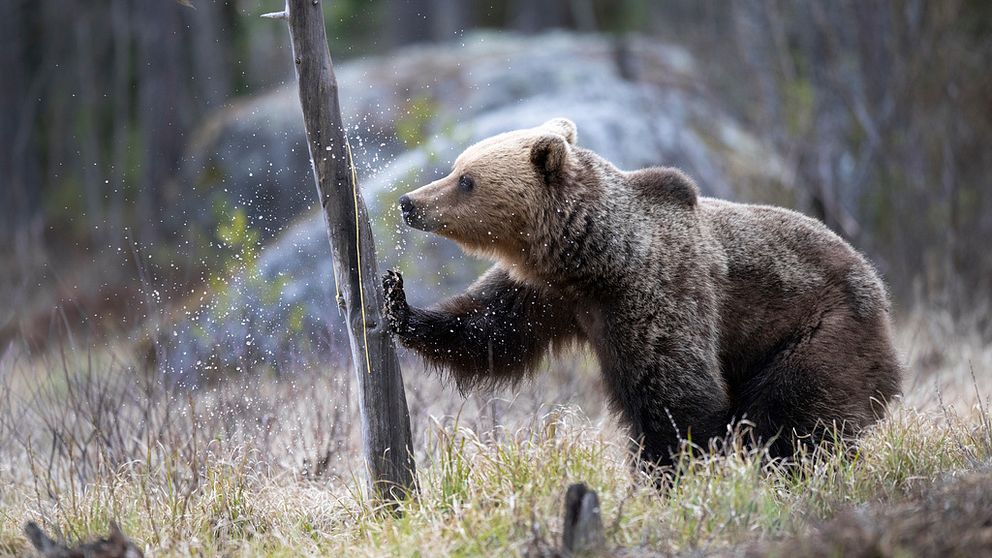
497,190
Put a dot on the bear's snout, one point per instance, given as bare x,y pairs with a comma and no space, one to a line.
411,216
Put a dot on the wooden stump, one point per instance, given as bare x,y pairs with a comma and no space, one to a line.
582,533
116,545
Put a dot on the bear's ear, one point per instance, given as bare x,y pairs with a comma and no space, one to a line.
562,126
548,155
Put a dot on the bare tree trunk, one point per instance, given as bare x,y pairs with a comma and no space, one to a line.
408,21
121,26
160,99
211,62
532,16
58,94
448,18
14,207
87,138
585,15
382,402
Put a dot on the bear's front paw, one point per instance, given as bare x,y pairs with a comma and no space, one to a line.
396,311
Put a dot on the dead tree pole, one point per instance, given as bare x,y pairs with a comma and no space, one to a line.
382,402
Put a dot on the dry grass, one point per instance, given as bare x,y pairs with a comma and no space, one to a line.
953,517
269,466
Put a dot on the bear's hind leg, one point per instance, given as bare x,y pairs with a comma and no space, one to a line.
834,378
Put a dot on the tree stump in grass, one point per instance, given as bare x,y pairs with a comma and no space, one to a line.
116,545
582,533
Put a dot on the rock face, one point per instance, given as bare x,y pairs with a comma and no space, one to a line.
638,103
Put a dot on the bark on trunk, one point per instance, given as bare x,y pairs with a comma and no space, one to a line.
382,402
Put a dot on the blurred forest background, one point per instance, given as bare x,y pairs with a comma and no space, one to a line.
159,230
144,162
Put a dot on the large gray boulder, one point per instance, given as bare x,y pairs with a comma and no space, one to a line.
639,103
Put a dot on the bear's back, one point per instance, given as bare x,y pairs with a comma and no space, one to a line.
781,249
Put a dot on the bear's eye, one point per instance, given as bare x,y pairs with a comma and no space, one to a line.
465,183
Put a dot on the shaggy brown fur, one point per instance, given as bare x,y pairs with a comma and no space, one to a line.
701,312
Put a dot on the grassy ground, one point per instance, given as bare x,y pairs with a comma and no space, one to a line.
269,467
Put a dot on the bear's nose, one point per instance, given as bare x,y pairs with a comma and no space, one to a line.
406,204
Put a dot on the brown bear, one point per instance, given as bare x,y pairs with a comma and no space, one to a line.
702,313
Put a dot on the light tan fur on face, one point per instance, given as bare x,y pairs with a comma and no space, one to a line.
493,220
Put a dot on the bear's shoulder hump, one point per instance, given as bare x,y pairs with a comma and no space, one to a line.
665,185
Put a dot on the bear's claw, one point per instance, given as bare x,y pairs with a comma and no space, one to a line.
396,310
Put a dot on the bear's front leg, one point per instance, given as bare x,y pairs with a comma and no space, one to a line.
668,388
666,415
396,311
425,331
494,333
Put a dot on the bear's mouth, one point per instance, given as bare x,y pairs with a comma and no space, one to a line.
415,220
414,217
